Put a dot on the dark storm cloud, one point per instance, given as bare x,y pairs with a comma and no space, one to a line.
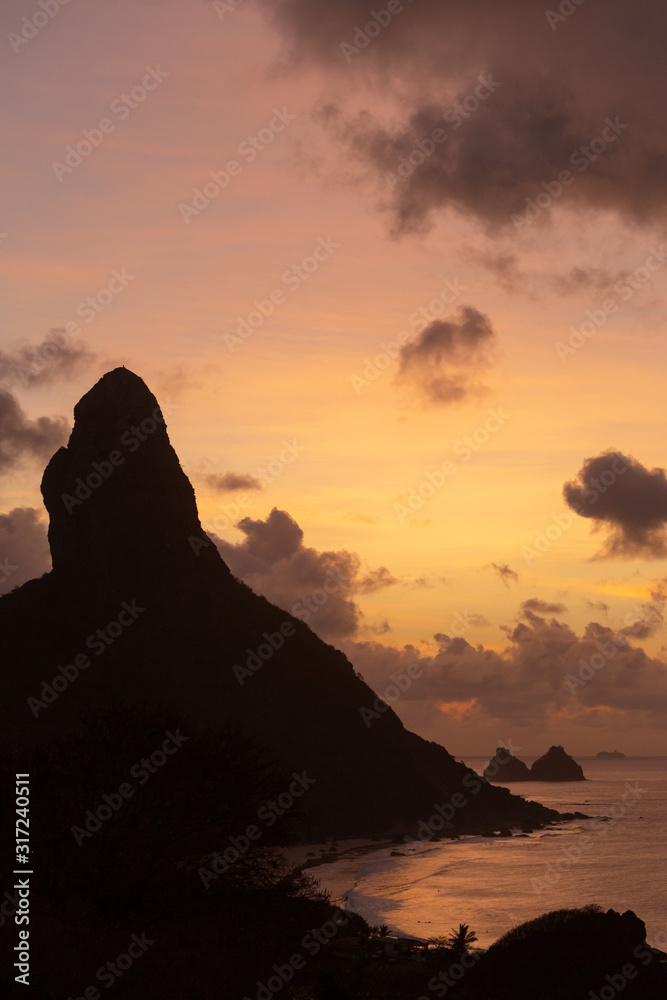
22,438
537,676
446,357
536,604
231,481
506,574
627,500
550,86
56,358
24,548
318,587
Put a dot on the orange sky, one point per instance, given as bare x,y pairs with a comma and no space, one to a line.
364,449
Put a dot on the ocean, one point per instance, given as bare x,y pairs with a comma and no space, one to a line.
493,884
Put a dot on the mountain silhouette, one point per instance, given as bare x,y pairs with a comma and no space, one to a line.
141,610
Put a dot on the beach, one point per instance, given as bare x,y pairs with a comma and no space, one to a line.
614,859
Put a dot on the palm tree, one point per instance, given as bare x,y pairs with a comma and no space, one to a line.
381,932
459,941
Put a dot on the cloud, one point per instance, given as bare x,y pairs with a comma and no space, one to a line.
558,83
361,518
625,499
231,481
506,574
536,604
22,438
377,579
534,681
511,278
318,587
650,616
55,359
24,548
445,359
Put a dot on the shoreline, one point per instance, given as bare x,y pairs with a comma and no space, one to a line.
341,871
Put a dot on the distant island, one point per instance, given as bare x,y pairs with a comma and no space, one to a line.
554,765
606,754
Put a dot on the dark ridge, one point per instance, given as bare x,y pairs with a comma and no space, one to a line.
125,534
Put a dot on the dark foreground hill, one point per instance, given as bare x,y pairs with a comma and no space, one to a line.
160,787
140,609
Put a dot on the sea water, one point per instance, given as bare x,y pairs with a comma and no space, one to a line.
493,884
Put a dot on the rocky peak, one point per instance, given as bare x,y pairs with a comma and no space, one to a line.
117,497
504,767
556,765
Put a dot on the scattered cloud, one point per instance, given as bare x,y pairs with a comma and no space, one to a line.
318,587
506,574
526,683
229,482
626,500
550,95
377,579
538,606
447,356
505,268
57,358
24,547
22,438
361,518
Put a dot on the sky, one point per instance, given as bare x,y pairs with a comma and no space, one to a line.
396,275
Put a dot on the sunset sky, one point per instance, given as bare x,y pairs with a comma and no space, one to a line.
460,215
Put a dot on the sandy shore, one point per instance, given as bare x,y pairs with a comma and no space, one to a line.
314,855
337,866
